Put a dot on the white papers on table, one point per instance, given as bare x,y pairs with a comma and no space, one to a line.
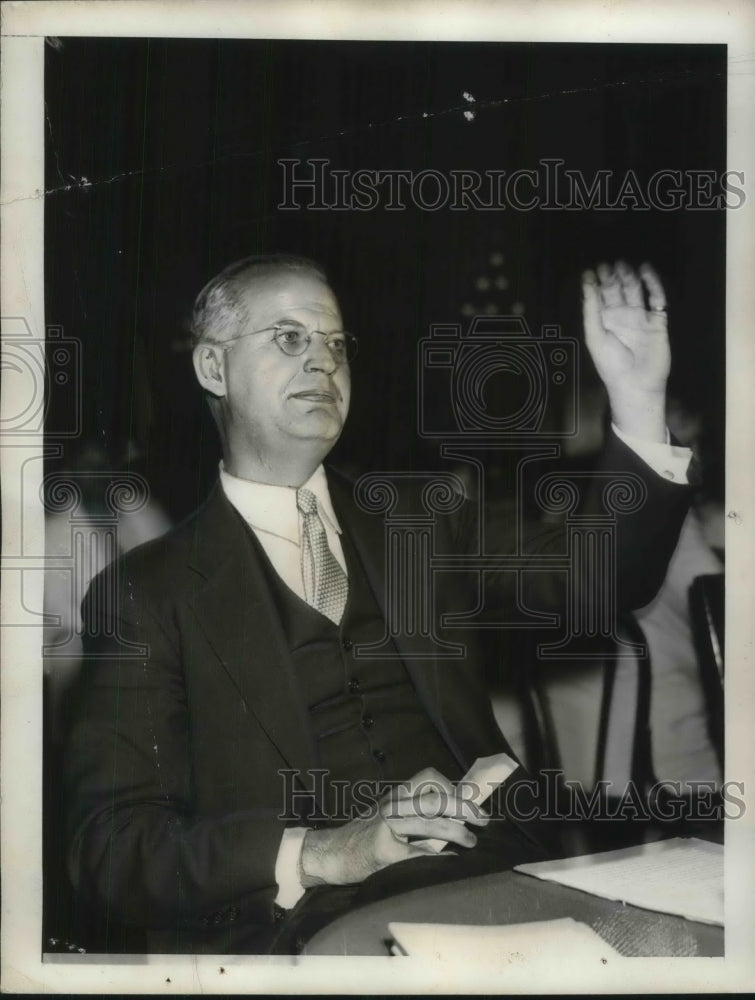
684,877
483,777
512,944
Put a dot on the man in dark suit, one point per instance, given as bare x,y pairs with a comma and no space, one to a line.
193,766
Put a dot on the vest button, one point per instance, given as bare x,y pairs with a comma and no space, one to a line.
354,685
378,755
347,643
367,721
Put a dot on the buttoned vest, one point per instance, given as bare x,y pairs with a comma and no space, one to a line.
368,724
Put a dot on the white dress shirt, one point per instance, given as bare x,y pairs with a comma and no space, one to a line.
272,513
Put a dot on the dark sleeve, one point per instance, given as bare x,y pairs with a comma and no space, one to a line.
647,536
645,526
135,843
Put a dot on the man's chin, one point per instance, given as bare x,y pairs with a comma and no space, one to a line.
324,431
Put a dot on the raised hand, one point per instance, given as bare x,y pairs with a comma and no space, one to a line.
626,333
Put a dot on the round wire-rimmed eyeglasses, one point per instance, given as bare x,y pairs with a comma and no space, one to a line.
294,339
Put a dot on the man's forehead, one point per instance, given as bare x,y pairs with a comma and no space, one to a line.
288,291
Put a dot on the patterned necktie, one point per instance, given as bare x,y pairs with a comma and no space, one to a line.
326,586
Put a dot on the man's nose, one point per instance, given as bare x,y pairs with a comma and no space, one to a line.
318,356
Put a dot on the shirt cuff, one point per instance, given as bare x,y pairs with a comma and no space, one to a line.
290,889
667,460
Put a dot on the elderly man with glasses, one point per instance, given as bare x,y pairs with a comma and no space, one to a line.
224,705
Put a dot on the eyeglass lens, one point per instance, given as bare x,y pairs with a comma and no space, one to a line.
295,340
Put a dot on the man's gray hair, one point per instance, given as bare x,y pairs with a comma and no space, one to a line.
219,310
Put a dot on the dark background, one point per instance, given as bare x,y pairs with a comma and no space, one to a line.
178,141
161,168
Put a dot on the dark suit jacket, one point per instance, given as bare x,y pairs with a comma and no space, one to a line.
173,763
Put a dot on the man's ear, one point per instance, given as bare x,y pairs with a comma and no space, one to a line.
209,368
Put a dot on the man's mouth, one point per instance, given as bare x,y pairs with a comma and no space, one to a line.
316,395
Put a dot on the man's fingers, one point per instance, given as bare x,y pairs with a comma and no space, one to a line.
431,802
440,828
610,287
468,812
631,286
432,806
656,294
427,852
430,794
426,778
591,306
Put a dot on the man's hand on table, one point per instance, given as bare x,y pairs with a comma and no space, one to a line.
426,806
628,342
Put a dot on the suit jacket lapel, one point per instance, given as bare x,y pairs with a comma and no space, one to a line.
235,610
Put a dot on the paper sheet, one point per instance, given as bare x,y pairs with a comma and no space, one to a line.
483,777
510,944
684,877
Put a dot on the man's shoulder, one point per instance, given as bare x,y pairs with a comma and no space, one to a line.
161,563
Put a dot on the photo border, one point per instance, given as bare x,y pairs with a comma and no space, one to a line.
24,26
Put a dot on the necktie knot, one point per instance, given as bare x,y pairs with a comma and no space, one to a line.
306,501
326,586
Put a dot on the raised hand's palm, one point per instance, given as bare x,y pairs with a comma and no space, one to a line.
632,344
627,340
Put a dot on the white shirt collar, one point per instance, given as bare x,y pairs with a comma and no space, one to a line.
273,508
